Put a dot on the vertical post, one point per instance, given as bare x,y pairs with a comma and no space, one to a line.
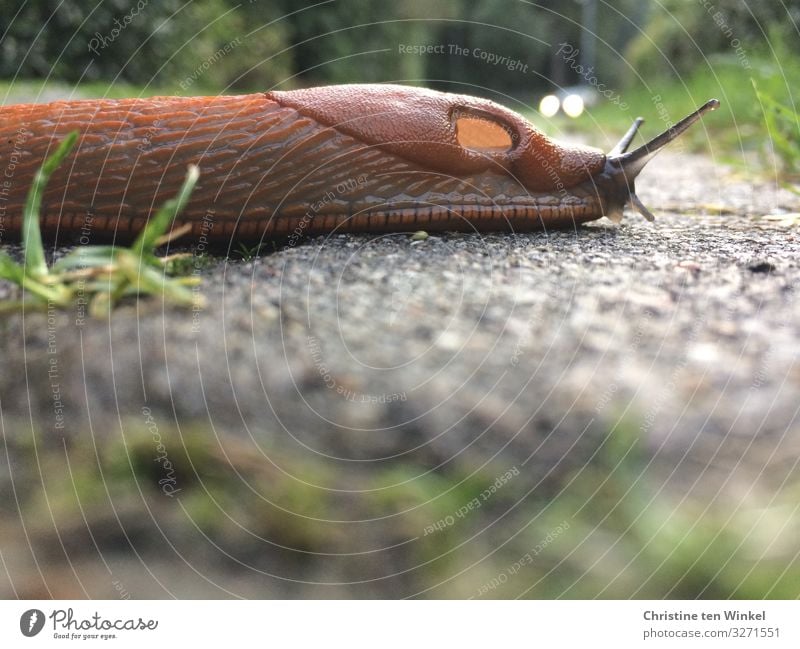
588,31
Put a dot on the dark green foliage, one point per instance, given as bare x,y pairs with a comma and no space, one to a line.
783,125
190,45
679,34
187,46
159,43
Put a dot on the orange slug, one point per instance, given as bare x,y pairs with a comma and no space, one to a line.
350,158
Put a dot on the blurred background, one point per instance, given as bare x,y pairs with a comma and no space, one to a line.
287,43
621,58
573,478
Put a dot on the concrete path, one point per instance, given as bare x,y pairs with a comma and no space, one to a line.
318,427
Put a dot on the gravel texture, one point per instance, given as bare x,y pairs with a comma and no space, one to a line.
348,365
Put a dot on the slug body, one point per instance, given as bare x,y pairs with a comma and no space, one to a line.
353,158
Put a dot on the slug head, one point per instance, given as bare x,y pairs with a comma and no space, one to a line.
616,181
447,133
459,135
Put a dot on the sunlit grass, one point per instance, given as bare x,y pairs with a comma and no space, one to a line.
740,131
40,90
783,126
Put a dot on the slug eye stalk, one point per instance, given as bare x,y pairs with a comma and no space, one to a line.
630,164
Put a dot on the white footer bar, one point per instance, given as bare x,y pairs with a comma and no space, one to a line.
403,624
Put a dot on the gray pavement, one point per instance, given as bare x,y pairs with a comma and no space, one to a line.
316,416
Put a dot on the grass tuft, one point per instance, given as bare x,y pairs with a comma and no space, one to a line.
783,126
101,275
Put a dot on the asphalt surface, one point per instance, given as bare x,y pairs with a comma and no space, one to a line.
349,365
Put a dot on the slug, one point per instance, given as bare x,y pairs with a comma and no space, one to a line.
350,158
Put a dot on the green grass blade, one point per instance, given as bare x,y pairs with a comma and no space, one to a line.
35,264
158,225
146,279
85,257
782,124
57,294
104,273
10,269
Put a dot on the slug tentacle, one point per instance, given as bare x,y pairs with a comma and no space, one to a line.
625,142
635,161
624,167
